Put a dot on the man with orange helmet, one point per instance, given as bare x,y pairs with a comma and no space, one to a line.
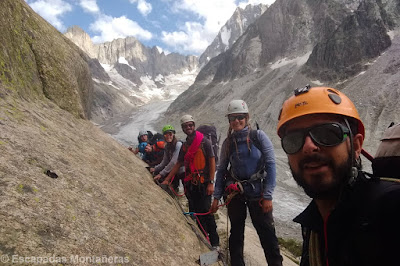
353,218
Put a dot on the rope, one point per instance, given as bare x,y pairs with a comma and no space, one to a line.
173,190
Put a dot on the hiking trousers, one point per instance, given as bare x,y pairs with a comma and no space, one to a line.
200,202
264,225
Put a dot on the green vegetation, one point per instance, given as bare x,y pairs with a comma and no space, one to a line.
37,61
293,246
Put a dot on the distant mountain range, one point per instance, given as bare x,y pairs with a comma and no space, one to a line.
128,74
349,45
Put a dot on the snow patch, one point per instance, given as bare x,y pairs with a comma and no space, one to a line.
122,60
118,81
159,78
160,50
391,34
361,73
225,36
317,82
172,85
298,60
244,21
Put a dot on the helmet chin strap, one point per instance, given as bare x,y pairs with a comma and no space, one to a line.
353,170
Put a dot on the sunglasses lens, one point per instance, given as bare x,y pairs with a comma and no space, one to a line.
324,135
233,118
328,134
292,142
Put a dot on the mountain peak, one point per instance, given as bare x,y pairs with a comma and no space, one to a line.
232,30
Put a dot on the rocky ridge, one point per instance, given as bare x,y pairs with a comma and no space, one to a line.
232,30
144,60
128,74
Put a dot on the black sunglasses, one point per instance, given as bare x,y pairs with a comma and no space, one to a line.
232,118
327,135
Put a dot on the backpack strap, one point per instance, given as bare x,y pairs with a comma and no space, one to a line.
254,139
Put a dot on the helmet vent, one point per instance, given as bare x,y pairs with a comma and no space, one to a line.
335,98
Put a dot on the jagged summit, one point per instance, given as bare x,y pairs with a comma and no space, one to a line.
146,60
232,30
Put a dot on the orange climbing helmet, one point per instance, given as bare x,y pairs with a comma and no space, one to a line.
317,100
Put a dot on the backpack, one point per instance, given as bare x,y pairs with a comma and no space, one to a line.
387,159
158,141
210,132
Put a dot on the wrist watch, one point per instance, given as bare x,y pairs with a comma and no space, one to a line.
212,182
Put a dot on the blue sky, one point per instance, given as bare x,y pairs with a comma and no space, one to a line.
183,26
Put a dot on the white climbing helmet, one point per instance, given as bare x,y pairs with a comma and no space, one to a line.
143,132
237,107
186,118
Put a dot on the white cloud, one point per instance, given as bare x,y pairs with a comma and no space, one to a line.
110,28
51,10
89,6
143,7
194,37
190,39
214,15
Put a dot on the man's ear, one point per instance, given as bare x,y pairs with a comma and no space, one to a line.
358,141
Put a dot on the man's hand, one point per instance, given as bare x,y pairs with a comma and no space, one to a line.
266,205
165,182
214,206
152,170
157,177
210,189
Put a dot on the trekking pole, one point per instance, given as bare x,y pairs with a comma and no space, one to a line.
227,236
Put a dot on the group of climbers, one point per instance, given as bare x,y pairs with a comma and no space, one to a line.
353,217
150,148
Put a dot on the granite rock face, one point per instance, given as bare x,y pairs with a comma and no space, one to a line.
145,61
69,193
36,61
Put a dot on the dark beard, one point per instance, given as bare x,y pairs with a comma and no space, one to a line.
319,190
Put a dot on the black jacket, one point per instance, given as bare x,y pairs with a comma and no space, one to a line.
363,229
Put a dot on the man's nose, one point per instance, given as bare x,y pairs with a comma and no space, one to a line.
309,145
